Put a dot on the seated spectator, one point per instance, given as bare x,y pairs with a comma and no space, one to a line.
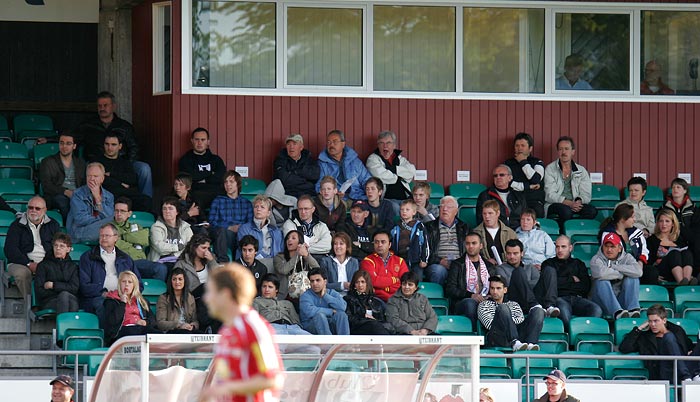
120,176
680,203
571,79
268,236
91,206
573,283
410,312
227,214
296,167
322,309
384,267
388,165
530,287
505,322
294,259
189,208
28,241
653,84
657,336
511,203
567,186
126,312
616,276
248,247
528,173
668,250
4,206
366,312
538,245
207,170
494,233
467,282
643,214
421,195
410,239
133,240
340,266
282,204
169,234
359,231
381,211
176,312
315,233
445,240
278,312
57,278
99,270
622,223
343,164
330,208
61,173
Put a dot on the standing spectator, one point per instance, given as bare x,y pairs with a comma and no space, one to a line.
573,283
176,312
322,309
421,195
366,312
315,233
384,267
28,242
93,131
467,282
189,208
616,276
207,170
278,312
126,312
410,239
359,231
90,207
343,164
528,173
169,234
511,203
388,165
227,214
622,223
248,247
494,233
643,214
668,250
120,177
134,239
57,278
282,204
296,167
505,322
556,388
330,208
295,258
567,186
341,266
445,240
61,173
268,236
538,245
410,312
381,211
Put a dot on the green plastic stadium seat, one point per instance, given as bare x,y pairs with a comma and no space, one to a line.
441,305
145,219
78,250
454,325
33,126
553,338
466,193
253,186
624,325
539,367
16,186
467,214
590,334
624,369
55,215
687,300
6,219
18,201
585,252
82,339
94,362
655,294
5,133
40,314
691,327
11,150
431,290
152,289
301,364
16,168
604,196
197,364
580,368
549,226
494,367
437,191
41,151
694,193
588,228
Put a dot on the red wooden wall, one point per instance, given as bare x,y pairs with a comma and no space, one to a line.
442,136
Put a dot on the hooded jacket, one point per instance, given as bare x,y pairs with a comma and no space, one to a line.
20,241
348,167
511,208
359,234
581,186
206,168
637,245
298,177
396,175
418,250
604,269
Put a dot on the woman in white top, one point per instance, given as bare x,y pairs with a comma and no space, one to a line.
340,267
169,234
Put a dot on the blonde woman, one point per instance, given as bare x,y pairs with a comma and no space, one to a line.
668,250
126,312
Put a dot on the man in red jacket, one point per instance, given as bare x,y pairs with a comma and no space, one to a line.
384,267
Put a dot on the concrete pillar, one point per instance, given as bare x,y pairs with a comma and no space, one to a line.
114,55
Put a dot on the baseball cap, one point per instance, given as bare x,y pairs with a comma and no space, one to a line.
295,138
556,375
613,238
63,379
360,204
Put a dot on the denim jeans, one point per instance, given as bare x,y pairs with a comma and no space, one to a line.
610,300
151,269
578,306
335,324
669,346
435,273
504,330
145,178
468,307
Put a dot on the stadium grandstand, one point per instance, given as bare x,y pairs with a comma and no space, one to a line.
435,197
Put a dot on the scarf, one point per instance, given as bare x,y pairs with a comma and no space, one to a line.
472,276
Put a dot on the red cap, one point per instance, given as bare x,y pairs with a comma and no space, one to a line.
612,238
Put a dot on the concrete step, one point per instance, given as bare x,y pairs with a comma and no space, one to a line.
25,361
18,326
15,342
13,308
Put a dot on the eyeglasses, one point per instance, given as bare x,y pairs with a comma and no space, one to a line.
500,174
33,208
121,211
65,143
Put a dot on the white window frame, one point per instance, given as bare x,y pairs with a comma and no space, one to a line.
158,41
367,91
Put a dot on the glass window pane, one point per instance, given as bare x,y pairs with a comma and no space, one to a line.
233,44
670,52
161,47
414,48
592,51
324,46
503,50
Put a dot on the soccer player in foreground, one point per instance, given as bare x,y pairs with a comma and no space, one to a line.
247,364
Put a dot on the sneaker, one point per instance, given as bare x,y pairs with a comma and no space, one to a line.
533,346
693,281
553,311
684,282
696,378
517,345
635,313
622,314
536,306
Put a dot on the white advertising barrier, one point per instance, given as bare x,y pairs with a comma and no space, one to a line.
502,390
691,391
614,391
20,390
339,386
86,11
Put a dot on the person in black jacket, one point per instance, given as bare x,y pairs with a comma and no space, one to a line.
57,278
207,170
528,173
657,336
126,312
512,203
444,250
669,255
359,231
296,168
365,311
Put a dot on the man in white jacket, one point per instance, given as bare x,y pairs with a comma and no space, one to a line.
395,171
615,275
316,233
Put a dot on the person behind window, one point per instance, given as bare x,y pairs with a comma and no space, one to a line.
176,312
571,79
652,84
126,312
57,278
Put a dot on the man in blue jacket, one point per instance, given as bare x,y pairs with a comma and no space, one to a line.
322,309
342,163
90,207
